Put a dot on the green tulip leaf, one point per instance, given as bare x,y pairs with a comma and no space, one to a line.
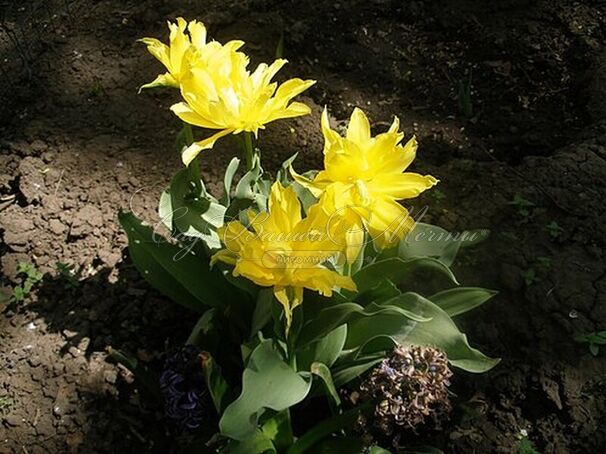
174,271
228,178
322,371
329,318
324,350
459,300
439,331
427,240
216,384
257,443
395,269
194,212
268,383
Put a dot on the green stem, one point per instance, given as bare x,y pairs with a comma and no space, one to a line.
188,133
193,166
327,427
249,149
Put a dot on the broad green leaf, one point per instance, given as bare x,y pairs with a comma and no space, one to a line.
325,350
205,333
440,332
473,237
195,213
278,429
395,269
165,209
320,370
283,175
383,291
228,178
267,383
250,192
257,443
378,450
427,240
459,300
329,318
216,384
343,374
373,346
176,272
263,310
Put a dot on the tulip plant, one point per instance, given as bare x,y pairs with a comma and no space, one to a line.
326,310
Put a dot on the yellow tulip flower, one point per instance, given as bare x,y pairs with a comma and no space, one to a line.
362,180
228,97
187,42
283,250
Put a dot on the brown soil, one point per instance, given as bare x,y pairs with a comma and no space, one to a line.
77,143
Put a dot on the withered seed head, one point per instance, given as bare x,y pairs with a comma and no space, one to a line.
408,388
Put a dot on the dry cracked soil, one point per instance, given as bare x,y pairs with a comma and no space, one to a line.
77,143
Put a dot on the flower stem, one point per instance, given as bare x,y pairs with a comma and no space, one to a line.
194,167
188,134
249,149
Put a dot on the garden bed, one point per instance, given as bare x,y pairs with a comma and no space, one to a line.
78,143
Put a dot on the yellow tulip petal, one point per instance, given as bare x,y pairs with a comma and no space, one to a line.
402,185
234,235
163,80
315,189
289,298
389,222
255,269
224,256
295,109
233,45
158,50
179,43
330,136
292,88
284,207
188,115
190,153
354,240
395,126
258,221
358,130
197,31
324,280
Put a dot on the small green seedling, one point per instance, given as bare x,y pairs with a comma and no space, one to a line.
522,205
69,274
530,277
554,230
29,276
97,90
437,194
464,96
543,262
594,340
526,447
5,404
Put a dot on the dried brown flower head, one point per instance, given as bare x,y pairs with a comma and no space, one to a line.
409,388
